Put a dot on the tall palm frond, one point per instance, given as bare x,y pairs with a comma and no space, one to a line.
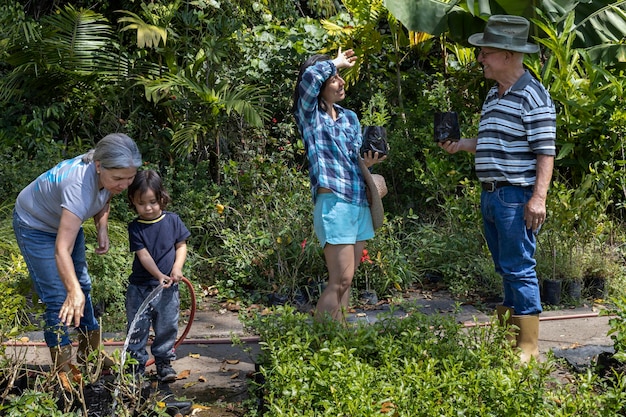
210,105
148,35
75,40
186,139
158,88
246,101
72,48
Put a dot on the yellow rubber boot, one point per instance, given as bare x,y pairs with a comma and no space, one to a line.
527,336
61,358
90,342
502,311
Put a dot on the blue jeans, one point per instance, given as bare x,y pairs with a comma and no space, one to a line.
161,314
512,246
37,248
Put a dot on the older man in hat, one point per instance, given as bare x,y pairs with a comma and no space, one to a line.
515,151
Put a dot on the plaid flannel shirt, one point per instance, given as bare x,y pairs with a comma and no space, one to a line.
332,146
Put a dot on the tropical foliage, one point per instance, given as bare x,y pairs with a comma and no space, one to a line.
205,88
598,26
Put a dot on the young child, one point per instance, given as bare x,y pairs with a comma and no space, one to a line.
158,239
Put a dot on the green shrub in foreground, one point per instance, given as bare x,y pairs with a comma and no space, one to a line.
33,404
416,366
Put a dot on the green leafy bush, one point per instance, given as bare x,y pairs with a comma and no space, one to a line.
415,366
33,403
109,274
617,324
259,238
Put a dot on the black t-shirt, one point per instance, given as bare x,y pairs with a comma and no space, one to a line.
159,237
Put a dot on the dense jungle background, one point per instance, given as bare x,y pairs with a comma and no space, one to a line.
205,88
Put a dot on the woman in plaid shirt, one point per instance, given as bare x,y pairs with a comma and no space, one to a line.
332,138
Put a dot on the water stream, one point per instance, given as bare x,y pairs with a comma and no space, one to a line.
151,299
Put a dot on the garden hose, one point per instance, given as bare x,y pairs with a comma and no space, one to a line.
192,313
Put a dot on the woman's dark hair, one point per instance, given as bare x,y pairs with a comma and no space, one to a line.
148,180
296,94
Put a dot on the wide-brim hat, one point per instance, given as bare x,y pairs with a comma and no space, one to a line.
377,189
505,32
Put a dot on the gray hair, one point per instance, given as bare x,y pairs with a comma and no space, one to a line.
115,151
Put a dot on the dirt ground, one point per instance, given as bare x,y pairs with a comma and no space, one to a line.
215,411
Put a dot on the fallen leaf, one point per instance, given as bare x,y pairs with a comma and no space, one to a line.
387,407
201,379
77,375
210,291
197,409
235,375
232,361
194,355
24,339
189,385
65,383
233,306
200,407
184,374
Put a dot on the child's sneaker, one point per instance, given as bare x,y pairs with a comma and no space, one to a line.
165,372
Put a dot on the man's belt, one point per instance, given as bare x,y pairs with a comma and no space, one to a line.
491,186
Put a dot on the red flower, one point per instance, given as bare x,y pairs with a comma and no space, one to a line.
365,257
274,120
303,244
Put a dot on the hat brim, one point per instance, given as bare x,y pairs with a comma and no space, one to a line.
376,203
477,40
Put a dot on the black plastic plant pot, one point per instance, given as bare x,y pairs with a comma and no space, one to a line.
374,140
551,292
574,289
447,126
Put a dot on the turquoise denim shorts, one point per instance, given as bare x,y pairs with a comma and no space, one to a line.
340,223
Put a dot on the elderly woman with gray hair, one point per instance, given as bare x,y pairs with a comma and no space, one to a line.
47,220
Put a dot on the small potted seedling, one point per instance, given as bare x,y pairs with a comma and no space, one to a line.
446,121
373,119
